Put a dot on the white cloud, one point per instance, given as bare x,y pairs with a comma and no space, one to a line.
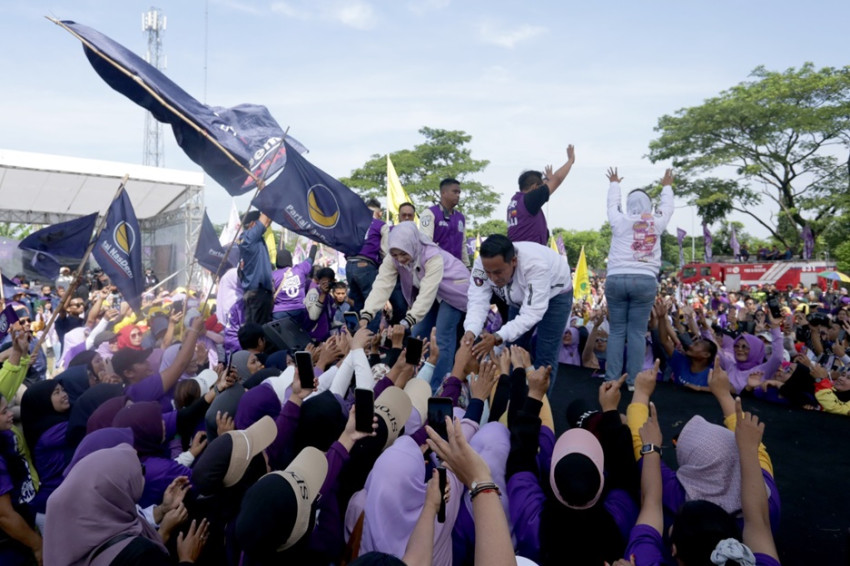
353,13
489,32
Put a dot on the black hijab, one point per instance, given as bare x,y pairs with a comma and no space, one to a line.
37,412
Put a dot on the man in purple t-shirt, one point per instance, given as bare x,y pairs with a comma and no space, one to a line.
526,222
444,224
290,286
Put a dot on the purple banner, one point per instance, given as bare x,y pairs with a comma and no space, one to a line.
708,241
808,243
733,243
680,237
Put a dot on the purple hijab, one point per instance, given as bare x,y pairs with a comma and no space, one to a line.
569,354
709,465
255,404
96,502
103,416
99,440
756,355
148,431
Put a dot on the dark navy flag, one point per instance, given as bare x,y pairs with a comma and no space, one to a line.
63,241
207,134
210,253
7,318
10,288
308,201
118,250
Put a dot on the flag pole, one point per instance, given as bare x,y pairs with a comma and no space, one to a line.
79,272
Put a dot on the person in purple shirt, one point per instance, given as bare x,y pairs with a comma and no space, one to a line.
526,222
290,285
444,224
16,491
361,268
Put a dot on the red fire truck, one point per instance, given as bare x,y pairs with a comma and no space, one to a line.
734,274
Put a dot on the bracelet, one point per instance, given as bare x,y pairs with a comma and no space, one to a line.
483,488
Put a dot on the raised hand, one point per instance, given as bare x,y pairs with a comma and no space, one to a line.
481,386
650,432
189,547
667,179
613,176
609,393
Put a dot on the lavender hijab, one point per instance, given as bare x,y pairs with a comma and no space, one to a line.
709,465
96,502
569,353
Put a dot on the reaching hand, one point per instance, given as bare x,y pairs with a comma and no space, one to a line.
484,345
571,153
645,383
613,176
520,358
223,423
361,338
401,372
189,547
667,179
351,435
538,382
482,384
718,382
748,431
650,432
175,492
433,348
754,379
199,442
548,172
505,361
172,519
433,496
609,393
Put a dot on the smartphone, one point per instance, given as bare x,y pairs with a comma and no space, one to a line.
438,409
352,321
364,410
441,512
414,351
304,365
773,305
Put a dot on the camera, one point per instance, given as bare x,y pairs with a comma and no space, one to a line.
818,319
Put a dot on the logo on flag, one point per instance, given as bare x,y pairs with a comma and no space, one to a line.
124,237
118,251
322,206
7,318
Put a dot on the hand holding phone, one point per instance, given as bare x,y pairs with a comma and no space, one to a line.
438,409
441,512
413,354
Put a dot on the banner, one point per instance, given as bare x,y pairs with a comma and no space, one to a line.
708,240
561,248
118,250
733,243
396,195
808,242
581,283
680,237
308,201
7,319
63,241
227,143
209,252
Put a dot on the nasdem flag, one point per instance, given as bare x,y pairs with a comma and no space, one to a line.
118,250
208,134
59,242
308,201
209,251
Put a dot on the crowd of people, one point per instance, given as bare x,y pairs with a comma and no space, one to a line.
186,432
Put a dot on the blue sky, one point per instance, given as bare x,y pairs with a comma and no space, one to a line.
358,77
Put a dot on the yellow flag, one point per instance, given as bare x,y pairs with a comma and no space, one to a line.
268,237
581,283
477,246
396,195
553,244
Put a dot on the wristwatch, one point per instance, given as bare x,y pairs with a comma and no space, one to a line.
649,448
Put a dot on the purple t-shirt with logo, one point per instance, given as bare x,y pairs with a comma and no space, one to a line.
372,243
290,285
523,226
449,232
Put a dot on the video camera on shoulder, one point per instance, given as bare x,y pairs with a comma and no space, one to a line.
818,319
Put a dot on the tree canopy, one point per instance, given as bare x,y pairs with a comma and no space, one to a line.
443,155
783,136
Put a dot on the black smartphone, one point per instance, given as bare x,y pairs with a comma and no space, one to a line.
438,409
773,305
441,512
364,410
352,321
304,365
414,351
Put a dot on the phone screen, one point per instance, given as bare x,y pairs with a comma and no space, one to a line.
351,321
414,351
364,410
438,409
304,364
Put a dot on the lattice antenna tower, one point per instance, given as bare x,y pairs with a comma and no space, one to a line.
153,24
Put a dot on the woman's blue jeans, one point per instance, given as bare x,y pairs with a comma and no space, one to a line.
630,299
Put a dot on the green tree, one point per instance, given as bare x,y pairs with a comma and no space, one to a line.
487,228
443,154
595,242
15,231
779,135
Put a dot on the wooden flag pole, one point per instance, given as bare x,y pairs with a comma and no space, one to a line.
79,272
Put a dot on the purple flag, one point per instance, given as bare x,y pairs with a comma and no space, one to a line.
7,318
561,249
680,237
708,241
733,243
808,242
470,247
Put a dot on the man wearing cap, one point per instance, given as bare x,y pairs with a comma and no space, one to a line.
444,224
255,268
290,286
536,283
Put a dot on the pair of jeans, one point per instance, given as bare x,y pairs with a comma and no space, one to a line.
447,319
550,334
630,298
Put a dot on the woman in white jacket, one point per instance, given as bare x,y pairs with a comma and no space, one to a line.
631,281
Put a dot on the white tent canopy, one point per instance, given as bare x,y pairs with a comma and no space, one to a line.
38,188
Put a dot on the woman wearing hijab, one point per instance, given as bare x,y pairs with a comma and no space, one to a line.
570,353
94,519
145,419
747,355
19,539
130,336
434,283
45,410
634,261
